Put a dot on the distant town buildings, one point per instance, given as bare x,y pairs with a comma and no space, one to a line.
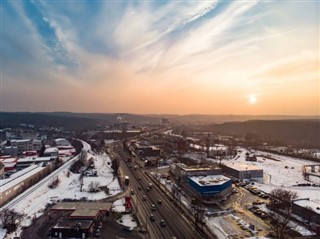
61,142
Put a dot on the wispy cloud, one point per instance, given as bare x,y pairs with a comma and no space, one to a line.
143,52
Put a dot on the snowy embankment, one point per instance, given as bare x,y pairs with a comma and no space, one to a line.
281,172
33,204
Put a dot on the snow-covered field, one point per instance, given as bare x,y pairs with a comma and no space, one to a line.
284,172
69,187
279,172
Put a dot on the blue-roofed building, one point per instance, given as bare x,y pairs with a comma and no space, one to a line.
211,186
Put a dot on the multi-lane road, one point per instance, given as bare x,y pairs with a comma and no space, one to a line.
177,225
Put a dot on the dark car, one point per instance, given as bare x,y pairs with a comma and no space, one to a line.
163,223
151,217
153,207
129,229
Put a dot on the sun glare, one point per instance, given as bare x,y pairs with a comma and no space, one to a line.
252,99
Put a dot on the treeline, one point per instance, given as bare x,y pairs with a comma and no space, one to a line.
304,133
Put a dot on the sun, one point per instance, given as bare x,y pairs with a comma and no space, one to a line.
252,99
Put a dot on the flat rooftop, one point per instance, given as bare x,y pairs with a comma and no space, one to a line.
210,180
193,169
308,203
67,223
242,166
34,159
83,209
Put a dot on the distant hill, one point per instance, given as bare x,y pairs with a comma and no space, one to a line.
70,120
109,117
291,129
8,119
205,119
297,132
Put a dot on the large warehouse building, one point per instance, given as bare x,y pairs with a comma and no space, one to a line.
211,186
242,171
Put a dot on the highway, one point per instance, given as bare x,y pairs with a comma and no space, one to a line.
176,223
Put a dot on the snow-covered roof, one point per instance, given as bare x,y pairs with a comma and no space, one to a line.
308,203
62,141
34,159
20,140
210,180
83,209
8,160
190,169
242,166
51,150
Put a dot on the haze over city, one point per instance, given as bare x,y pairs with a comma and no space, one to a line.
206,57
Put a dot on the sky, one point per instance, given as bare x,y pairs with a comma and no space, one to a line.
177,57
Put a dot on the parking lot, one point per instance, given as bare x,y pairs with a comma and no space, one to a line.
246,219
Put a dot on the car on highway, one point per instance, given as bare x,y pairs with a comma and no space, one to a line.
99,225
148,188
153,207
139,178
132,192
97,232
144,198
159,201
162,223
151,217
139,187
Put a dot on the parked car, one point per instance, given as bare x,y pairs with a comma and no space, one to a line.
91,173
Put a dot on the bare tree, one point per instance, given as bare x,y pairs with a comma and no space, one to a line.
115,166
280,213
54,183
93,186
10,219
284,196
